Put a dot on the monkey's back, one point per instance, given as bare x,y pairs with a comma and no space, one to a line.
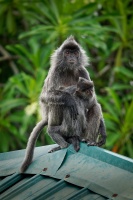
93,116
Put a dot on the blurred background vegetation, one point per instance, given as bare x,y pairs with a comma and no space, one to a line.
29,33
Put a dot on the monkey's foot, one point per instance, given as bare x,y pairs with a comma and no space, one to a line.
54,149
77,148
74,140
102,142
91,143
58,148
83,140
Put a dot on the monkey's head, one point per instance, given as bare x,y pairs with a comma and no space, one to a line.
69,56
85,88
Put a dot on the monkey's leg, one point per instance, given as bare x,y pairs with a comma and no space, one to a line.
55,133
57,137
93,123
102,131
54,129
75,142
72,140
31,144
59,140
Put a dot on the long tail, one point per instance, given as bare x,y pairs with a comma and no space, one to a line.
31,144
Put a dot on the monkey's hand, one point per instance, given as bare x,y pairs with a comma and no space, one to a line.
64,98
72,106
102,141
54,149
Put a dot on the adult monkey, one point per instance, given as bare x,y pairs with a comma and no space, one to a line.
67,65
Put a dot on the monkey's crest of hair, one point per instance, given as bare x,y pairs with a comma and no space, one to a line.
70,43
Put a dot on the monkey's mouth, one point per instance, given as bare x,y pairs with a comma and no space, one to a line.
71,66
72,62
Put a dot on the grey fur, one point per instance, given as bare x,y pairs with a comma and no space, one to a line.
60,74
89,123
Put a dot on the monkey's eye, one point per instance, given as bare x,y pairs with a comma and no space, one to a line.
87,91
67,52
76,53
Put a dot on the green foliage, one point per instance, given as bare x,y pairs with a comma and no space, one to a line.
30,31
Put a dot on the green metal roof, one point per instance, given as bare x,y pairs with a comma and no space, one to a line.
92,173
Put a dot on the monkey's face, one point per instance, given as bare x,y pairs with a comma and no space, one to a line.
85,88
85,93
71,57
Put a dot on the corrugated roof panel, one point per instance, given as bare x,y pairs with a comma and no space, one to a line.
40,187
83,194
92,173
58,190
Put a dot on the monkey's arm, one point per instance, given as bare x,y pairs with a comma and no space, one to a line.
84,74
31,144
102,131
60,97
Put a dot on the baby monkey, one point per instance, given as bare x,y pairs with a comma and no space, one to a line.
89,123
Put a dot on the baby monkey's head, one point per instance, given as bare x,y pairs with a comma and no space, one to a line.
85,88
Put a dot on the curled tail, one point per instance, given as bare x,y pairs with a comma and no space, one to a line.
31,144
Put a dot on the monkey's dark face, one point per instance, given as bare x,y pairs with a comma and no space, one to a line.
85,93
71,57
85,88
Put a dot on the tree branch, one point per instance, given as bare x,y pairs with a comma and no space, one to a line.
103,71
7,56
